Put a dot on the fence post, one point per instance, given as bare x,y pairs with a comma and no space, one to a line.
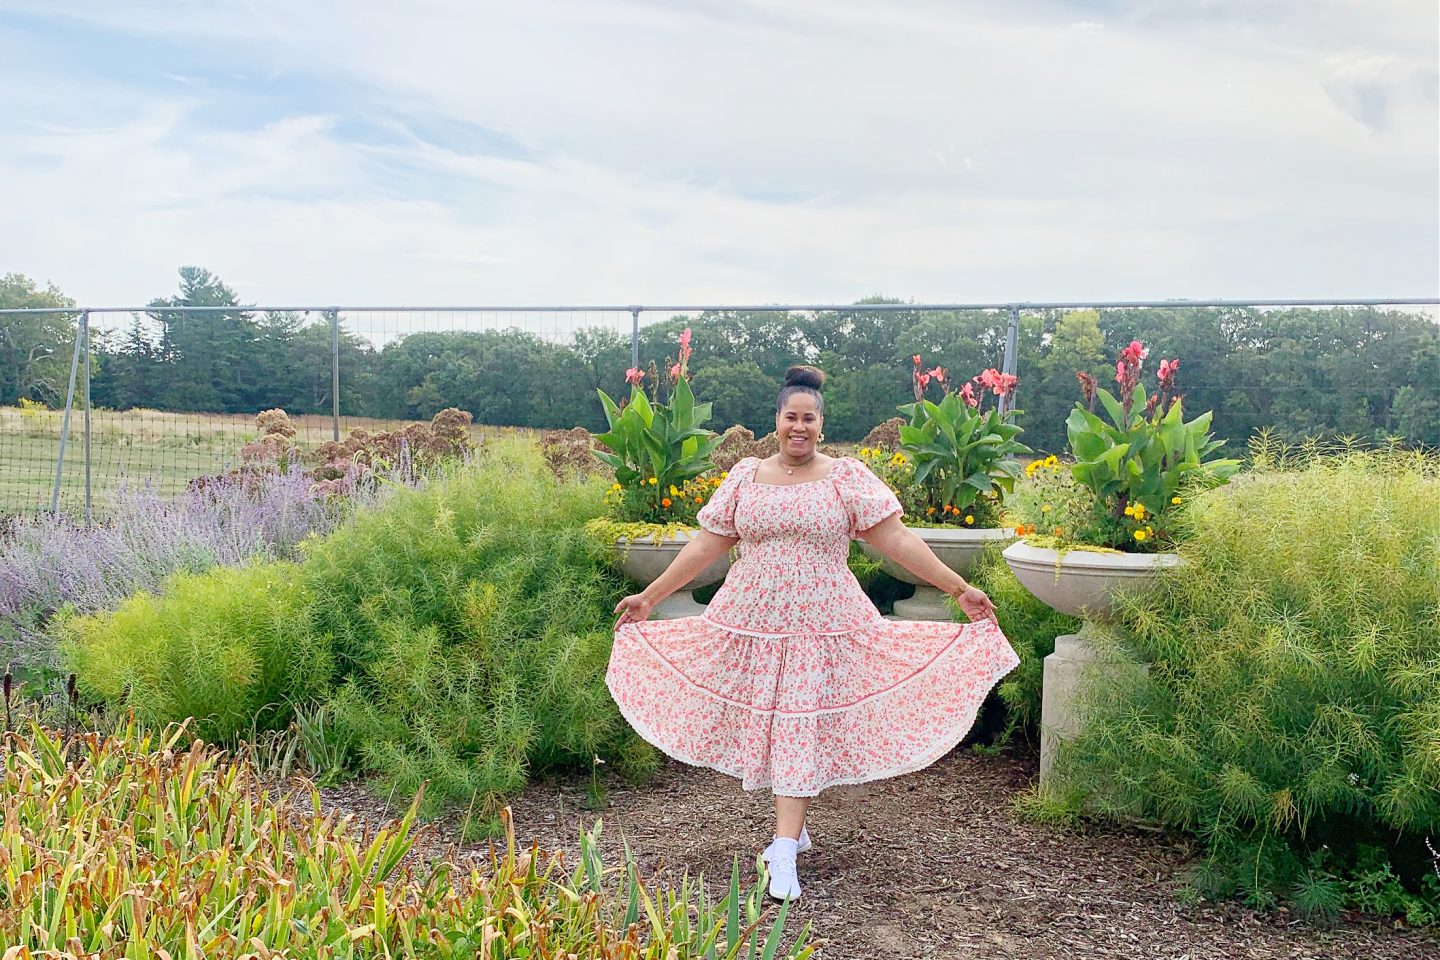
85,326
1012,336
69,405
634,336
335,373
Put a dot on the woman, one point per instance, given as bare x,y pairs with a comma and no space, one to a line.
791,680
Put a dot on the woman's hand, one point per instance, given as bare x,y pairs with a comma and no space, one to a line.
976,604
633,609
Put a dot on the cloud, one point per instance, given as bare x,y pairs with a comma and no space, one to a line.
582,152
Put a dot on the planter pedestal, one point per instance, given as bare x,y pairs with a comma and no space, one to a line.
644,560
959,548
1074,662
1082,583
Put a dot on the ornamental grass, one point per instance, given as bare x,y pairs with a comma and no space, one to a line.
137,846
1291,712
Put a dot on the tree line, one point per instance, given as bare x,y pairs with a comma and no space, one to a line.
1300,372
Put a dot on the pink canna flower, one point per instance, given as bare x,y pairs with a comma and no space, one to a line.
675,372
938,375
967,393
634,375
1168,368
1134,354
1119,371
924,380
1001,384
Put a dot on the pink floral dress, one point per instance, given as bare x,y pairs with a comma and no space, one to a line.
791,680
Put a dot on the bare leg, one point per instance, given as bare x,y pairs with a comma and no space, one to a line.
790,816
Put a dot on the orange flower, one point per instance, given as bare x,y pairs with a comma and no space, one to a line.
664,501
699,499
1058,531
1020,530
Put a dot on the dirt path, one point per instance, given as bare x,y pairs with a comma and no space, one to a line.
935,864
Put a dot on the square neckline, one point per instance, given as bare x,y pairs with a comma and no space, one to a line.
828,475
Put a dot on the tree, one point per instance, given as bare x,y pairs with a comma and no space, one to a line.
35,348
739,392
208,356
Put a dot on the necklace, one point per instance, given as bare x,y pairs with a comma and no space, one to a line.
791,470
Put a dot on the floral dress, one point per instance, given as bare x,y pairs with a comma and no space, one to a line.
791,680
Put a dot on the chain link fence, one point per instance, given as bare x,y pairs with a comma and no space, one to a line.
163,395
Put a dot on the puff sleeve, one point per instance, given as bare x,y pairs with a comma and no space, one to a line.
866,498
718,514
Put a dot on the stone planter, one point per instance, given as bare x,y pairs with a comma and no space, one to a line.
957,547
1082,583
644,560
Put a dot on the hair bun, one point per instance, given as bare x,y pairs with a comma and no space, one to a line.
805,376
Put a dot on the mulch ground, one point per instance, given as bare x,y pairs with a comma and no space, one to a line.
936,864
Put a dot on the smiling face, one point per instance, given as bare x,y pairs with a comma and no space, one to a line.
798,425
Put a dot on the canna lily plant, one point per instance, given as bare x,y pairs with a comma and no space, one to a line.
963,455
657,448
1139,460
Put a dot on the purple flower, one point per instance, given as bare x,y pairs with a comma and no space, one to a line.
52,562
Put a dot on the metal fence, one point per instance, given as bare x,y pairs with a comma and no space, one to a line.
72,454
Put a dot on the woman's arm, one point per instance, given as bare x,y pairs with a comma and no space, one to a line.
698,554
896,541
899,543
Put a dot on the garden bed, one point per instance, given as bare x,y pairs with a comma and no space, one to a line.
936,864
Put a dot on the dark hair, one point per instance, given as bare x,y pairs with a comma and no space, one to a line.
808,379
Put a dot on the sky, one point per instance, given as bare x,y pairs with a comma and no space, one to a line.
700,151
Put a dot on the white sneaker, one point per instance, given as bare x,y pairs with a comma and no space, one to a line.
784,879
804,845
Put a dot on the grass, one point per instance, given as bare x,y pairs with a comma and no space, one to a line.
165,449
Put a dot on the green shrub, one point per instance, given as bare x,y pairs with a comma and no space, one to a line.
229,647
1291,716
472,623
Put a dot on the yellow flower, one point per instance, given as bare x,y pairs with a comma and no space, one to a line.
864,451
673,491
615,486
1045,509
1175,500
724,474
1129,511
969,518
653,481
1140,534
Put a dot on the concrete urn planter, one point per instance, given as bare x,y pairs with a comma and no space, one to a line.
957,547
644,560
1082,583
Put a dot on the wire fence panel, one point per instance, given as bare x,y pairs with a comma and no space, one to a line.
171,392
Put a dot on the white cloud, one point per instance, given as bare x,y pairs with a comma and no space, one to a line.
761,152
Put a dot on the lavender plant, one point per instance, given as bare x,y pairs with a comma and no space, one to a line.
49,563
